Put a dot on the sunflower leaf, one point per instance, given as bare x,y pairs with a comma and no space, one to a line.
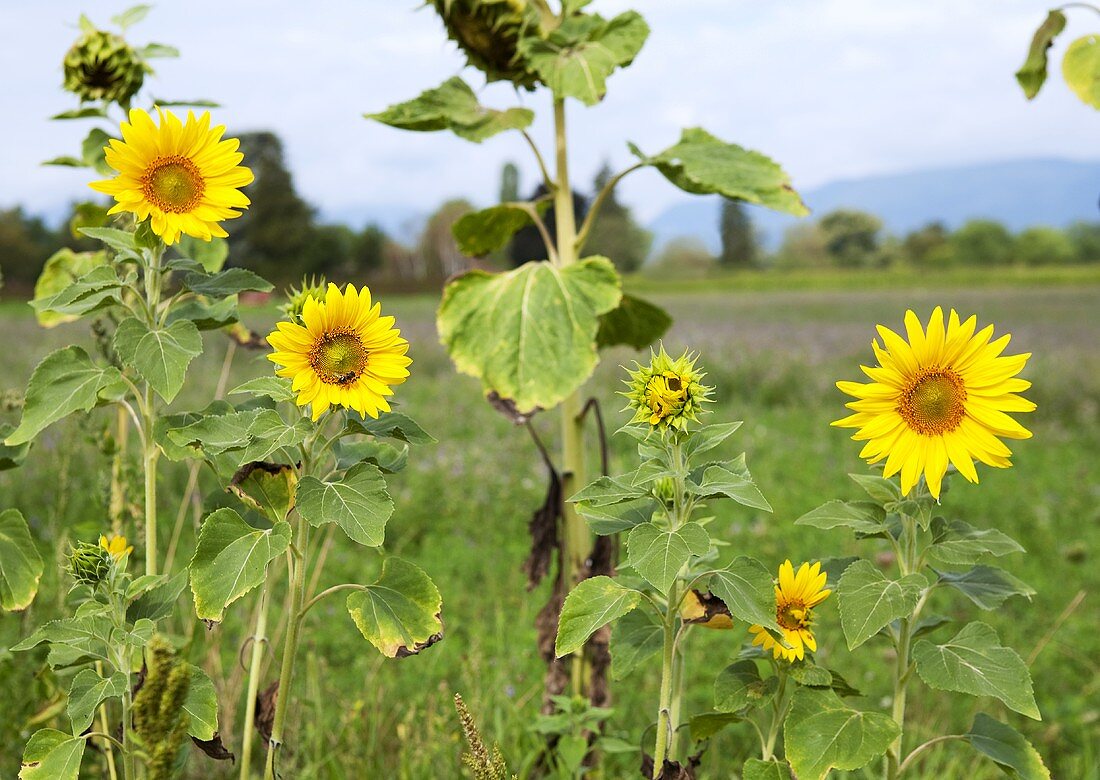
823,733
392,425
63,270
160,355
986,586
20,564
956,542
52,755
635,637
228,282
719,482
659,555
974,662
861,516
1081,69
529,334
201,705
634,323
481,232
1007,748
87,692
613,518
608,490
746,588
594,603
359,503
740,687
757,769
868,600
1033,73
400,613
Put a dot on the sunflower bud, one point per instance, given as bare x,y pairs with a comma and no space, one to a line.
89,564
102,66
667,393
296,297
488,31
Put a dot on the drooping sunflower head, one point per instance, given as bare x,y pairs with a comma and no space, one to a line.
941,397
102,66
89,564
667,393
488,32
796,595
296,297
116,545
181,176
342,353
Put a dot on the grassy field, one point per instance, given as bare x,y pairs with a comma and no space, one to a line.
463,506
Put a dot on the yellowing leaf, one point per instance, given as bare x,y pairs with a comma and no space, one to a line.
400,614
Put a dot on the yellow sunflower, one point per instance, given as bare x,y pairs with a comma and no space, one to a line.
942,396
182,177
116,545
342,354
795,597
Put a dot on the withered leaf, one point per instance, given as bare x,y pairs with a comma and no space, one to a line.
706,610
265,711
214,748
543,528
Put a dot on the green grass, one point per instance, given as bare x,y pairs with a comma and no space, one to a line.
463,506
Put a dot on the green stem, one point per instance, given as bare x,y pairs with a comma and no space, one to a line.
290,645
675,705
104,728
576,540
905,635
259,640
150,451
664,710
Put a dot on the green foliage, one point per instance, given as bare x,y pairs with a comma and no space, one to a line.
160,356
481,232
739,246
52,755
400,612
453,106
659,555
230,559
635,637
20,564
974,662
61,271
614,233
869,601
745,588
594,603
634,322
823,733
358,503
1081,69
87,692
504,328
982,242
1044,246
1005,746
852,238
755,769
739,687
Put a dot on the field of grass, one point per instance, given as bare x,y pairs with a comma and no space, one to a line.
463,506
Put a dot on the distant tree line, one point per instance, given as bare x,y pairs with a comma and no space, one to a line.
282,237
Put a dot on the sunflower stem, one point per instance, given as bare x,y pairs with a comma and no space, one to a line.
906,562
779,710
259,640
665,726
150,451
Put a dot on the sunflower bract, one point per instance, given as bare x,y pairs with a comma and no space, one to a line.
667,393
102,66
941,397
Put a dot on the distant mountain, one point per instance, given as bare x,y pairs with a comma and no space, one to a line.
1018,193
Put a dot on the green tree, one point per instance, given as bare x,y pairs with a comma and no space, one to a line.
274,235
681,257
803,247
1086,241
368,250
739,247
509,183
927,246
1044,246
852,238
982,242
614,233
25,243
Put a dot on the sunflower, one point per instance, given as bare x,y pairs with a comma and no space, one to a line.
342,354
116,545
795,597
667,393
182,177
942,396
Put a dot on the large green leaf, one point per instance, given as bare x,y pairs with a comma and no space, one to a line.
11,457
160,355
231,559
1081,69
986,586
201,705
957,542
576,58
974,662
358,503
392,425
605,491
659,555
66,381
269,487
704,165
822,733
739,687
205,313
613,518
529,334
720,482
98,289
400,613
755,769
481,232
594,603
1007,748
634,322
20,563
87,692
86,635
211,255
747,590
159,601
635,637
861,516
228,282
453,106
868,600
52,755
276,388
61,271
1033,72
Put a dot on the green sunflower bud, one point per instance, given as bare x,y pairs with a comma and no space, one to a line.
667,393
488,31
102,66
296,297
89,564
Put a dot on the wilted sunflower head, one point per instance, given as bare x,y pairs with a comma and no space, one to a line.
102,66
314,287
89,564
667,393
488,31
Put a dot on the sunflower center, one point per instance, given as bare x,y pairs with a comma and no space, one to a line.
792,616
338,357
665,394
933,403
173,184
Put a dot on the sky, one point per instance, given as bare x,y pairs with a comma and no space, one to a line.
832,89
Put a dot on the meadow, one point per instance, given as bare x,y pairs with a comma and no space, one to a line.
773,350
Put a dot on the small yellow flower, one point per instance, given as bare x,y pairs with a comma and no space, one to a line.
342,354
116,546
667,393
182,177
940,397
795,597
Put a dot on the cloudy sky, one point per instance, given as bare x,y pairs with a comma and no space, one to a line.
834,89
